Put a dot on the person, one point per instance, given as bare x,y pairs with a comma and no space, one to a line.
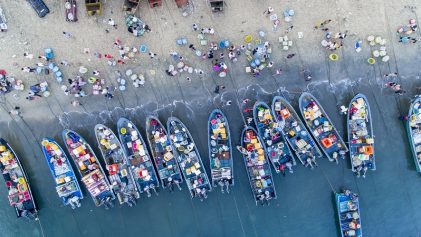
288,29
268,11
15,111
400,92
270,64
112,23
75,103
96,73
307,75
195,27
28,55
290,55
247,110
392,84
343,110
228,103
191,46
403,118
245,101
394,74
152,55
67,34
188,79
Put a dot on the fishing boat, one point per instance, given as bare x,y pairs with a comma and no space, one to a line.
93,176
360,136
273,140
320,125
348,208
138,159
220,150
119,174
19,191
189,159
67,187
163,154
295,132
257,166
414,132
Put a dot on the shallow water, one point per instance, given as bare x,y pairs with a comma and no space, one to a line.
305,205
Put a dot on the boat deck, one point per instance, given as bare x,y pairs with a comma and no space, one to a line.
220,149
188,158
294,131
138,157
258,168
320,125
162,153
269,131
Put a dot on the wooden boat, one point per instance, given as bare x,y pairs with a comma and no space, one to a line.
189,159
67,186
348,208
220,150
360,135
320,125
257,166
138,159
18,187
163,154
414,132
272,138
295,132
118,172
70,10
93,176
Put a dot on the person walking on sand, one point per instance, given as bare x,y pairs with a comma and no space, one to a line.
268,11
16,111
289,56
245,101
228,103
67,35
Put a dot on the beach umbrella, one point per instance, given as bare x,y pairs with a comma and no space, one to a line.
385,58
248,38
383,42
378,40
333,57
129,72
370,38
133,77
382,53
180,65
83,70
324,43
371,61
376,53
222,74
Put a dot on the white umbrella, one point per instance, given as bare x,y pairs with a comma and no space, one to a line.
370,38
83,70
384,41
376,53
378,40
129,72
324,43
385,58
133,77
180,65
382,53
